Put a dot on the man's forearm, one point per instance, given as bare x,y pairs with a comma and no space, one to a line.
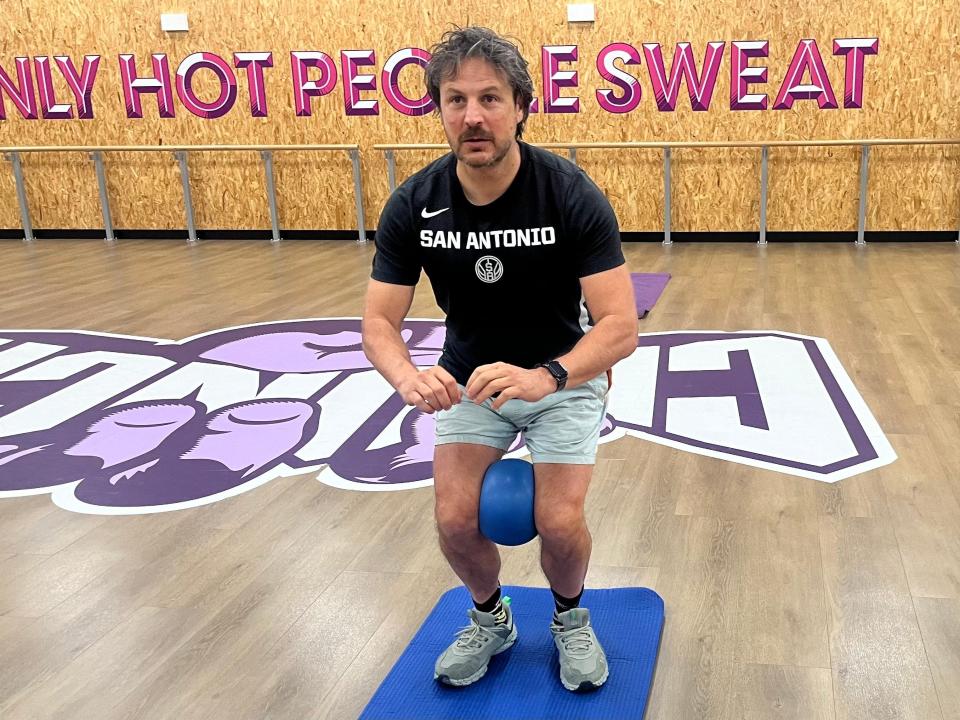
609,341
385,349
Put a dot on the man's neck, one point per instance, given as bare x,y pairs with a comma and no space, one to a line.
482,186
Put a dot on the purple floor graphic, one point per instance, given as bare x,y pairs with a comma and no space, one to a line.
109,424
647,288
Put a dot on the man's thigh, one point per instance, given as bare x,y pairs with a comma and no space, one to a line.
560,491
458,470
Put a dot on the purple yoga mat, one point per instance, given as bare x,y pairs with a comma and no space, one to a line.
647,288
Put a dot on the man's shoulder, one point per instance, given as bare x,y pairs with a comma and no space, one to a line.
558,167
424,186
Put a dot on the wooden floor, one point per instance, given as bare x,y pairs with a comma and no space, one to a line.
785,598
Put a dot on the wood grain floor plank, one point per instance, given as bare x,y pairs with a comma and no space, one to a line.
785,597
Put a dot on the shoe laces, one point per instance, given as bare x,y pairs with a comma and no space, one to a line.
577,642
472,637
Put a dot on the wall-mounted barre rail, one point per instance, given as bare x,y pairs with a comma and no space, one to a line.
667,147
180,153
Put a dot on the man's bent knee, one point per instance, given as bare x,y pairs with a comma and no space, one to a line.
561,526
457,525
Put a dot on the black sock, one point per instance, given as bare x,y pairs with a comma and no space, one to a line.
494,606
490,605
562,604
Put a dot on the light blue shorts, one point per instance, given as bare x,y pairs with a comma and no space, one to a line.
563,427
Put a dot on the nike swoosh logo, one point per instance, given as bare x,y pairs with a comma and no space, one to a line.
425,214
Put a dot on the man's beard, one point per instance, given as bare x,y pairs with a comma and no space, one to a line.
499,153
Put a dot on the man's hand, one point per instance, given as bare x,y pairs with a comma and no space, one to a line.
512,382
430,390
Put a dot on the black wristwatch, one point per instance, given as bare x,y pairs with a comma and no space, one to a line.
558,371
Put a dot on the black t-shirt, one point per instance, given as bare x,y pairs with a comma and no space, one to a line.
506,274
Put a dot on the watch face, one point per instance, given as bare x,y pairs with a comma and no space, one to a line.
559,373
557,370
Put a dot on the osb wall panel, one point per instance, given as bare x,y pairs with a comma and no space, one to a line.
910,188
315,188
815,188
62,185
9,212
914,180
715,190
145,191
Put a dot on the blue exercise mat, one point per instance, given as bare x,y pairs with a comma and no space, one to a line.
523,683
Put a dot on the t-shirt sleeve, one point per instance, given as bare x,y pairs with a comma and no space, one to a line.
594,225
396,258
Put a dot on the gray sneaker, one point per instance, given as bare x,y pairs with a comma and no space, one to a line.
583,664
466,660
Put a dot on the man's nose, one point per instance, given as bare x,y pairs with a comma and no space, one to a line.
474,113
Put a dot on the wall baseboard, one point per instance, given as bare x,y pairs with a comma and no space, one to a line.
680,236
781,236
178,234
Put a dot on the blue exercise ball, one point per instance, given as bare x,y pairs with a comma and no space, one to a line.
506,503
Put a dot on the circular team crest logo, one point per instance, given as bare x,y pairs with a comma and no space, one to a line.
489,269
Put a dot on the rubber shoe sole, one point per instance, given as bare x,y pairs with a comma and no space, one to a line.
446,680
586,686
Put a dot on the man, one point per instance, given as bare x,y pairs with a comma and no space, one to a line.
517,244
